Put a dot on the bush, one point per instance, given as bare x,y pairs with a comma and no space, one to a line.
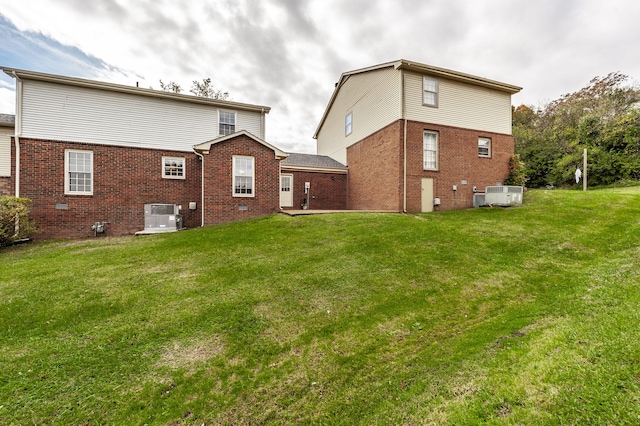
517,174
14,219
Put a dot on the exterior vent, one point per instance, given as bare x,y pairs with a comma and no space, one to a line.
503,196
162,218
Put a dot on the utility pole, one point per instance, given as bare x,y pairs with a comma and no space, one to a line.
584,167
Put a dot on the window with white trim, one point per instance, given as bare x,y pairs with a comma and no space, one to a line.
430,91
173,167
227,123
78,172
243,176
484,147
430,150
348,124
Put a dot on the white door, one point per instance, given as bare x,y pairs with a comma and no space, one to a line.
286,193
427,195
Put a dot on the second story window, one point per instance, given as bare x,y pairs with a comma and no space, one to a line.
227,123
348,124
430,91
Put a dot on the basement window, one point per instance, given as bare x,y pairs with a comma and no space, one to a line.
78,172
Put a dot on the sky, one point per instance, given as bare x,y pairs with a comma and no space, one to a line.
288,54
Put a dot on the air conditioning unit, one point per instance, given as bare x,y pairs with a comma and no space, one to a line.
503,195
162,217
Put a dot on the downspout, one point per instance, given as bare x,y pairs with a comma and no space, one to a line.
201,187
262,125
18,129
404,149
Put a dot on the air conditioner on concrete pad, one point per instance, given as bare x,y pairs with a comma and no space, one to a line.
162,218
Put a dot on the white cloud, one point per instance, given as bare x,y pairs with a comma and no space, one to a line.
288,53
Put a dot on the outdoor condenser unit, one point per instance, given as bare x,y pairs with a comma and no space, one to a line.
162,217
503,195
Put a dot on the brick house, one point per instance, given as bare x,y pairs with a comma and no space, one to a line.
86,151
416,137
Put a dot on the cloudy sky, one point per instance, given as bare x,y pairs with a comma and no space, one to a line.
288,54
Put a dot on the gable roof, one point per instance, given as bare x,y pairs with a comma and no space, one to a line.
312,160
403,64
120,88
205,147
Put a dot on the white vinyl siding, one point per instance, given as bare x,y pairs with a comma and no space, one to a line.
77,114
459,105
5,151
373,97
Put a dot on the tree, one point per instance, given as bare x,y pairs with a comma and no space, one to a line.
206,90
171,86
602,117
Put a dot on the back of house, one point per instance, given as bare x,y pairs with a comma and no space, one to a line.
416,137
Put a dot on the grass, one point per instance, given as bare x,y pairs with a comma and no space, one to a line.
486,316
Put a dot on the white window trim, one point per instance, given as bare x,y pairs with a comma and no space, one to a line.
67,182
348,124
253,176
235,121
437,92
488,155
437,150
184,167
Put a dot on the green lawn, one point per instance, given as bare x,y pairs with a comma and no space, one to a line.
527,315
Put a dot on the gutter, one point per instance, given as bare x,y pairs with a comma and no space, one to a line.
201,187
18,129
404,149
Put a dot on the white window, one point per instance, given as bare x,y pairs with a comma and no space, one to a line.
78,172
348,124
173,167
484,147
243,176
430,150
430,91
227,123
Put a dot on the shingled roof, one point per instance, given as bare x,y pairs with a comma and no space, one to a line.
7,119
312,160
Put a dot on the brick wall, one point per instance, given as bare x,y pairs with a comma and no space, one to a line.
376,170
458,162
5,186
220,204
328,190
376,167
124,180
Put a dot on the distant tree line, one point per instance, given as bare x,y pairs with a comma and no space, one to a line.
603,117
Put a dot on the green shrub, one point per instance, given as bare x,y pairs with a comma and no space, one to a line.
14,219
517,174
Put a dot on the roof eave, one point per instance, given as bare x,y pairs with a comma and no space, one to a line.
79,82
205,147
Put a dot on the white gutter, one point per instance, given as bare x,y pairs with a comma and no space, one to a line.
404,149
18,129
201,187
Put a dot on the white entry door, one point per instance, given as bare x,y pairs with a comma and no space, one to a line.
286,190
427,195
